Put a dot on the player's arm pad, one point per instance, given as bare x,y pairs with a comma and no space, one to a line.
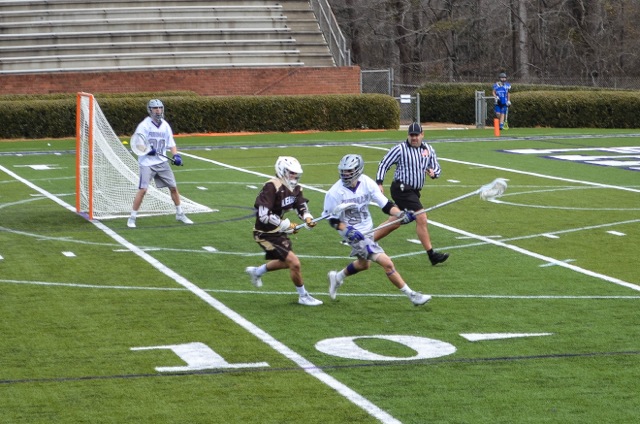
334,222
387,208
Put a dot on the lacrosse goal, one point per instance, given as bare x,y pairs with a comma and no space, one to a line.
107,173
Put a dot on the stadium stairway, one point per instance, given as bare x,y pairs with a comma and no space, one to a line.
75,35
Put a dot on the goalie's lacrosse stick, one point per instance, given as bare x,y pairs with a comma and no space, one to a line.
140,146
337,211
487,192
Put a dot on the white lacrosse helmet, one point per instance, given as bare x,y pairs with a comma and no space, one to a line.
350,168
157,117
288,169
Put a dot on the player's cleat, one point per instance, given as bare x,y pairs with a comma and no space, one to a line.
307,300
333,284
131,222
183,218
255,280
419,299
437,257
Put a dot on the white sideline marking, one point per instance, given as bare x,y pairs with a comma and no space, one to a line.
551,236
306,365
475,337
1,258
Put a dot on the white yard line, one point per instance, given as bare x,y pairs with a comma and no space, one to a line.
288,293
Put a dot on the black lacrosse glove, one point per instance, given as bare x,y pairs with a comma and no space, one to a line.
152,152
177,160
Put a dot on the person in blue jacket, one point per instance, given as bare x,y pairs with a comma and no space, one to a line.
502,97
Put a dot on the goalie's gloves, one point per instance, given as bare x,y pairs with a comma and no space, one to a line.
152,152
406,216
177,160
352,234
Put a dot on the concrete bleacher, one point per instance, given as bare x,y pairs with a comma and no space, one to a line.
73,35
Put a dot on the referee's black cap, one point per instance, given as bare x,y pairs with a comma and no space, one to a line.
415,128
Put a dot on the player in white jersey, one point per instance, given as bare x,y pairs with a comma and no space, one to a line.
354,187
155,164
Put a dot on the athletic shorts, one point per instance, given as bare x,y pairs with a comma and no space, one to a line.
366,248
405,197
500,109
161,174
275,245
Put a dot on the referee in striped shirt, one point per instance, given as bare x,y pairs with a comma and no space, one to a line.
414,160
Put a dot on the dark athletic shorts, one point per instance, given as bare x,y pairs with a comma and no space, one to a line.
405,197
275,245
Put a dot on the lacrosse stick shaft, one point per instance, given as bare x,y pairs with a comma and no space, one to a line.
337,211
300,226
425,210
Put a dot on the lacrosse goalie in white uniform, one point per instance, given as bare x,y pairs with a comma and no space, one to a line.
354,187
155,165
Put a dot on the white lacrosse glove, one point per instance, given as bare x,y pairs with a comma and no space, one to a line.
287,227
509,103
495,99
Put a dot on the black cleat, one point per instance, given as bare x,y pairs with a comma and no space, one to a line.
437,258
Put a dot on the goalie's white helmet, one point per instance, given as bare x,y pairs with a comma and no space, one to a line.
350,168
157,117
288,169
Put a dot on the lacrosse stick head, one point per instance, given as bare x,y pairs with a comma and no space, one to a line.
494,189
139,144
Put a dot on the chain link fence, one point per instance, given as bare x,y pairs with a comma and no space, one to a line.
387,81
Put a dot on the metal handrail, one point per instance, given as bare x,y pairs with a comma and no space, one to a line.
332,33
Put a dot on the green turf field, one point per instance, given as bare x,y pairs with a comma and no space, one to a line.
535,317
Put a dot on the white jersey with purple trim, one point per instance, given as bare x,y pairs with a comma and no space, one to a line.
365,191
159,136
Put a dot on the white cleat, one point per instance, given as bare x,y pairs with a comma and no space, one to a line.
183,218
307,300
419,299
255,280
333,284
131,222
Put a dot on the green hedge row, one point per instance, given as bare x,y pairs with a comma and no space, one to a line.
53,116
535,106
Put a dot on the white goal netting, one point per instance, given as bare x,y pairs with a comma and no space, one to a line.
107,173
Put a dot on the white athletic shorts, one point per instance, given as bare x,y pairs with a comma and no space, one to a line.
366,249
161,174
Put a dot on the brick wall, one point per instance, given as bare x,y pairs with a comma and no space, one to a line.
210,82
